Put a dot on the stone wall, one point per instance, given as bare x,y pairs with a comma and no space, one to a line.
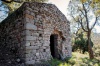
41,22
29,29
12,39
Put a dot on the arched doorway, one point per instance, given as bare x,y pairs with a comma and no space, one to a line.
53,45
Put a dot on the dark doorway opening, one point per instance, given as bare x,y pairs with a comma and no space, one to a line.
53,45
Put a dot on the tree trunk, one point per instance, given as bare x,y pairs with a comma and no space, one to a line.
90,51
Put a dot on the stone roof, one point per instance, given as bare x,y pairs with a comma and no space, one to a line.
51,9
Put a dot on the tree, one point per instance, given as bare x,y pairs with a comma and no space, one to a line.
80,42
12,6
84,14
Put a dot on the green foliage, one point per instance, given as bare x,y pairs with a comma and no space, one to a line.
72,61
83,1
96,49
12,6
82,13
97,12
54,62
81,43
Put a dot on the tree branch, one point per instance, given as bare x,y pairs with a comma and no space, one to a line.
74,18
94,23
7,1
80,10
21,1
80,21
86,16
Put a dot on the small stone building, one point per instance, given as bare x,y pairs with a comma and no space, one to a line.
34,32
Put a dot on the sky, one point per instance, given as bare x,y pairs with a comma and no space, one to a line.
2,12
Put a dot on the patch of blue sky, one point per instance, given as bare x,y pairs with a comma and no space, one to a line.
3,11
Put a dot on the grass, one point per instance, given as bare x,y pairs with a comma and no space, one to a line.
77,59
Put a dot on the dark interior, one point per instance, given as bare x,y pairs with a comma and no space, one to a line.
53,43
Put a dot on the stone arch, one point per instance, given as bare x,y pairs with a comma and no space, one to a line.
59,33
56,42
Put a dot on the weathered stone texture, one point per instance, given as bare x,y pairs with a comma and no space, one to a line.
30,32
12,39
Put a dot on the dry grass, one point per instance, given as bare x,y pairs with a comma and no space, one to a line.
77,59
79,55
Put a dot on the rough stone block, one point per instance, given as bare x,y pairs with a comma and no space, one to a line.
32,47
37,54
28,56
33,43
27,20
28,33
30,62
27,43
30,38
34,51
31,26
29,16
27,59
28,51
47,50
46,44
27,11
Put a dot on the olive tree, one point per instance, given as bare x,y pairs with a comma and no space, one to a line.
87,16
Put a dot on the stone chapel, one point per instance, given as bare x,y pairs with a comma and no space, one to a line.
35,32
